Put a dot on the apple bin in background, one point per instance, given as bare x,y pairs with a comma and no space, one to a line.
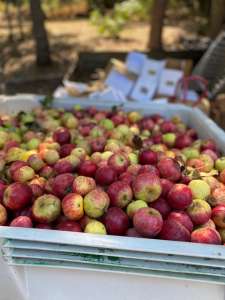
44,264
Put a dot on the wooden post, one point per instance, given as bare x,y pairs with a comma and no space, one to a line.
217,17
157,18
40,34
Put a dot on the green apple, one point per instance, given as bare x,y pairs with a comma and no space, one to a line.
113,147
96,203
134,116
106,155
71,122
107,124
33,144
14,154
123,129
220,164
79,152
146,133
190,152
96,132
133,158
134,206
95,227
169,139
51,156
200,189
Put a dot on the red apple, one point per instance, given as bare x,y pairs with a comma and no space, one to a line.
116,221
199,211
183,140
10,144
62,136
166,186
63,166
62,184
167,126
162,206
105,175
218,215
22,221
3,186
83,185
147,187
117,119
209,144
69,226
118,162
148,222
46,208
217,197
66,150
134,169
17,195
180,196
148,169
120,194
169,169
147,123
182,218
16,165
23,174
98,144
73,206
157,139
174,231
127,177
37,190
87,168
206,236
47,172
148,157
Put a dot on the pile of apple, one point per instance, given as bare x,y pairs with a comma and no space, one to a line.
111,172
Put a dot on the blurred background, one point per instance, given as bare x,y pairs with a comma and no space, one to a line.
40,40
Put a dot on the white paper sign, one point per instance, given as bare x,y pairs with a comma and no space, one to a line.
119,82
152,69
144,89
135,62
168,81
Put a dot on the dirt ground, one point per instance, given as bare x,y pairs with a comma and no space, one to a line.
67,38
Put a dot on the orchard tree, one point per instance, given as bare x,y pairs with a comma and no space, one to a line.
40,34
157,18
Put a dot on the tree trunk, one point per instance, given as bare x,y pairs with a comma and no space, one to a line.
157,18
217,17
40,34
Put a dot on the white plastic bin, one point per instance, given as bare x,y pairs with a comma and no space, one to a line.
62,265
